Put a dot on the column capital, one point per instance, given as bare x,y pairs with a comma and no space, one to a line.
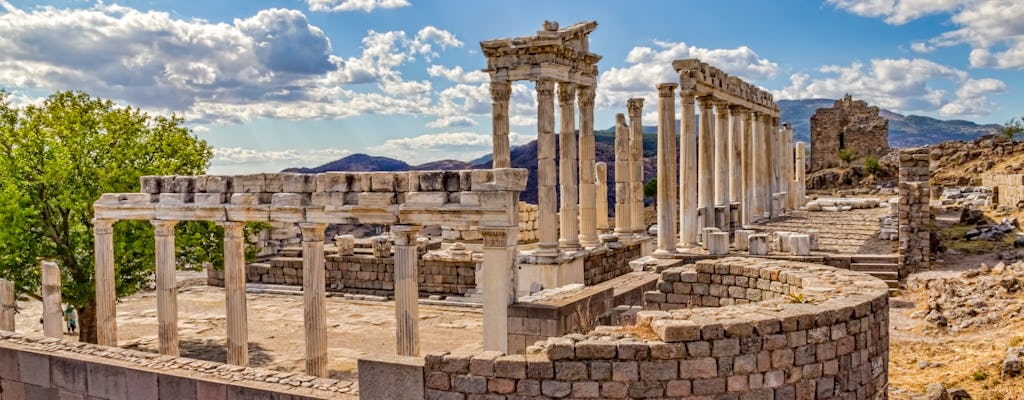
566,93
667,89
687,97
738,110
163,227
545,89
500,91
722,108
585,96
706,102
635,107
405,235
496,236
103,226
312,232
232,229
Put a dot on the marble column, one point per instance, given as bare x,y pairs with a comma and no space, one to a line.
568,169
53,321
706,163
501,153
547,176
722,154
314,298
799,180
666,168
747,161
623,178
601,196
166,287
735,149
7,305
790,165
588,195
499,246
772,152
687,171
758,159
234,293
407,311
636,164
106,293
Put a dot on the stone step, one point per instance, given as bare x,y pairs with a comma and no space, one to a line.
884,275
875,258
874,267
893,285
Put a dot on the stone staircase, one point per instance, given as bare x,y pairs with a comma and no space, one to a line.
884,267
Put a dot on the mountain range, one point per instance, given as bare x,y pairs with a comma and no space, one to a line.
904,131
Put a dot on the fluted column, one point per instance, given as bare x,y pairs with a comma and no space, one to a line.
547,199
106,292
636,164
407,312
7,305
588,195
601,196
501,153
788,168
747,165
759,159
53,321
706,163
234,293
666,168
166,287
499,246
721,154
735,149
772,152
687,171
800,176
623,178
314,298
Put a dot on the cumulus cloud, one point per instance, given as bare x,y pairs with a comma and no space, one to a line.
452,122
463,146
456,74
649,66
993,28
354,5
240,155
902,85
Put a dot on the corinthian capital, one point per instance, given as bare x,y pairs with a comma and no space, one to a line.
500,91
585,96
635,107
566,93
545,89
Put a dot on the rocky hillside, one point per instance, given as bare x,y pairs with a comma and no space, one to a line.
960,163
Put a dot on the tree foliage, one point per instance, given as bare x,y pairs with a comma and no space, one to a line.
58,158
846,155
1013,129
651,188
871,165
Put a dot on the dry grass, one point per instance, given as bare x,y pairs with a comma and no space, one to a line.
953,238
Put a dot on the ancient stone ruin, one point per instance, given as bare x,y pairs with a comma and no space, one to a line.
849,125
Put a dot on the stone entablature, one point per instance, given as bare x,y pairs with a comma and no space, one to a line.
833,347
851,125
706,80
558,54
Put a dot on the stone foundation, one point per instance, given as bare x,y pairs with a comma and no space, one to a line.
834,345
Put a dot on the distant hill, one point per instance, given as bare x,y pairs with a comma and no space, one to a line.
356,162
904,131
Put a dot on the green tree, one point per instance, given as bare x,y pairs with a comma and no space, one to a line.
58,158
1013,129
651,188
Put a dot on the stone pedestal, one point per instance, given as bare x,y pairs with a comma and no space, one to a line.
568,174
346,244
718,243
741,240
499,261
813,235
799,244
106,295
407,312
782,241
234,293
53,321
547,199
314,298
758,244
722,217
666,168
166,287
706,234
7,305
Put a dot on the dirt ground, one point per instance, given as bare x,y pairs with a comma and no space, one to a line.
355,328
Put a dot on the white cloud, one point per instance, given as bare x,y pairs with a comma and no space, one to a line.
354,5
650,66
994,29
463,146
240,155
902,85
456,74
455,121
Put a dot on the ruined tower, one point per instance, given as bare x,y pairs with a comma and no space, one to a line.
849,125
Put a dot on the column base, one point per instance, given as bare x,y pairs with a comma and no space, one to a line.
569,244
547,250
663,253
589,242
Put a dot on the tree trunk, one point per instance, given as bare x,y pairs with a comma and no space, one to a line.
87,323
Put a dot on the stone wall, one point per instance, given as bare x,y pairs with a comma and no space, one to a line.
850,125
834,345
914,211
527,228
610,262
43,368
1007,189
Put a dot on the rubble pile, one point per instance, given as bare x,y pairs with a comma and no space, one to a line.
993,233
841,204
973,298
977,196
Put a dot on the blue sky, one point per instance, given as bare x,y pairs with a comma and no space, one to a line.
274,84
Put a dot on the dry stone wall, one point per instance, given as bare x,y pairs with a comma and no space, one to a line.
1008,189
610,262
835,345
850,125
914,211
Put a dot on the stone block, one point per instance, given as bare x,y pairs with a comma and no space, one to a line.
705,367
382,182
391,378
676,330
327,199
150,184
245,393
68,374
718,243
9,370
143,386
209,198
33,392
555,388
426,198
376,199
298,183
210,391
758,244
333,182
218,184
175,387
431,181
253,183
34,368
106,382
